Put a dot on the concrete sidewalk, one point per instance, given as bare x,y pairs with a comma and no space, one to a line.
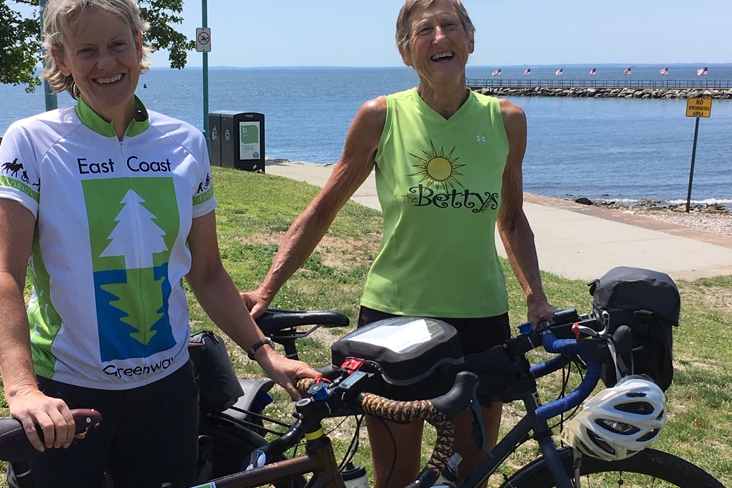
583,242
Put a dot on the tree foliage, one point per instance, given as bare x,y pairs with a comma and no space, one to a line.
20,37
20,45
161,14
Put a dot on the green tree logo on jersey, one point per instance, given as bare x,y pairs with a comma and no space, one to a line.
135,223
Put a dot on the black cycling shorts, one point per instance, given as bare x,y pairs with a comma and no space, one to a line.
476,334
148,436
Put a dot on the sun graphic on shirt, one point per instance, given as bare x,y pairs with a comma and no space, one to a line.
438,168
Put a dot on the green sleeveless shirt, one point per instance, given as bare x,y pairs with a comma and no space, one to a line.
439,185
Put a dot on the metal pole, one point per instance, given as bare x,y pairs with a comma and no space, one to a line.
691,171
204,18
51,98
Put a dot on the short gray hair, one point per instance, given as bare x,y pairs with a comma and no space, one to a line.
61,17
404,27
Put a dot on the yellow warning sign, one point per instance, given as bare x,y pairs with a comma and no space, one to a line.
698,107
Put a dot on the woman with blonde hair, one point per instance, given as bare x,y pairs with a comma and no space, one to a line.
111,207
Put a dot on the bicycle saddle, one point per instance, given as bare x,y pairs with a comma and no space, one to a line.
276,319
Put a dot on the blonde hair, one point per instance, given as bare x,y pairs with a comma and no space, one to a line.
61,17
404,26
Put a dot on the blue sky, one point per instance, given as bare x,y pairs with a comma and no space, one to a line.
249,33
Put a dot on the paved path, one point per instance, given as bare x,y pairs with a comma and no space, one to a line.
583,242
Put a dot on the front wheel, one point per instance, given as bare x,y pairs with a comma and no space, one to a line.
647,468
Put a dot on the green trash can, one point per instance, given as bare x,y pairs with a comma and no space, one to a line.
237,140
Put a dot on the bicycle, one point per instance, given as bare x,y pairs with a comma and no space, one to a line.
579,339
557,467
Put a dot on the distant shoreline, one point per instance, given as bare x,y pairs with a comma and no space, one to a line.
606,92
714,221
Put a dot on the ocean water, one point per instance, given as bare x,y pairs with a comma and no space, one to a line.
603,149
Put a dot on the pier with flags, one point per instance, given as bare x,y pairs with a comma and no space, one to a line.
607,78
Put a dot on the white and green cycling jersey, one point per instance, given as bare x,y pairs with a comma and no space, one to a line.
109,251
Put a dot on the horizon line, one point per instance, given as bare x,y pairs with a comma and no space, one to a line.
552,66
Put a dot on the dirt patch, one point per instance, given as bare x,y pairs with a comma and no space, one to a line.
327,336
259,238
336,252
689,362
342,253
713,297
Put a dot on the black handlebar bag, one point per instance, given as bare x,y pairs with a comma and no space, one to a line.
649,303
219,387
411,358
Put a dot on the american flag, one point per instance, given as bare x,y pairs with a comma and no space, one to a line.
527,72
593,72
626,71
664,71
496,73
559,72
701,72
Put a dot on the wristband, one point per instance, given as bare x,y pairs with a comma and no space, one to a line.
257,345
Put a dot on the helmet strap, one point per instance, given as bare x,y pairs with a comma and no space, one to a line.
614,356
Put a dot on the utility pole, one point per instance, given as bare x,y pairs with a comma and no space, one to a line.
51,97
204,19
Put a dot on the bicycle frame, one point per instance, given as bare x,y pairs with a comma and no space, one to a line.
536,418
519,434
319,460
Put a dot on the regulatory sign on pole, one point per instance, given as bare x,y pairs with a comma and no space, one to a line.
203,39
698,107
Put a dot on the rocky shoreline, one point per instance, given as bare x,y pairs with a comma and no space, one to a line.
605,92
709,217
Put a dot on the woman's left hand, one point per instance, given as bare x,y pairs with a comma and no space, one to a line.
539,310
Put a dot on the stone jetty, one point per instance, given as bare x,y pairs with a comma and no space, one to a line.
604,92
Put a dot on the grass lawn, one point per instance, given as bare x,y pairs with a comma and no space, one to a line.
255,210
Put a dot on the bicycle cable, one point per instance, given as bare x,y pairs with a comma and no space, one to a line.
566,373
353,446
393,444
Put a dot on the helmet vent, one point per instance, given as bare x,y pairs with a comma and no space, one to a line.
600,443
638,408
617,427
636,394
649,436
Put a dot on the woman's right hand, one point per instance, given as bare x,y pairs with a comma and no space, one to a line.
35,410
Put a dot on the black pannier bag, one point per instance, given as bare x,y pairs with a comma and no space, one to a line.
649,303
412,358
219,387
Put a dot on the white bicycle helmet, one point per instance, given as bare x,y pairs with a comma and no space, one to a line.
619,421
